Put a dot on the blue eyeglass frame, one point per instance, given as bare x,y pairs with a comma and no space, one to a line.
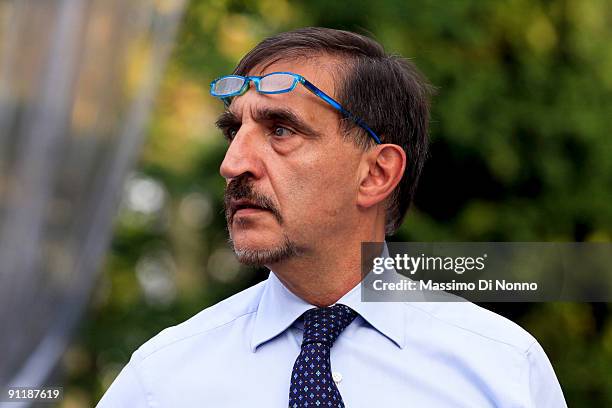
297,78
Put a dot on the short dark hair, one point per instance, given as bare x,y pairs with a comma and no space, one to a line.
386,91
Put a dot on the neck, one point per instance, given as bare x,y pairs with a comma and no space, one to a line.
322,276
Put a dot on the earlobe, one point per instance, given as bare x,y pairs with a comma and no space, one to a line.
385,167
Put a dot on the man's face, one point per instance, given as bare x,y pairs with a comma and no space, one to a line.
291,178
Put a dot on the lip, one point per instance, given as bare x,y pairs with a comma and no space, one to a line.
244,207
248,211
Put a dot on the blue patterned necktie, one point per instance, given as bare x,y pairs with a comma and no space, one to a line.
311,380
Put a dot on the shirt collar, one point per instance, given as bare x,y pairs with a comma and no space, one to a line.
388,318
279,308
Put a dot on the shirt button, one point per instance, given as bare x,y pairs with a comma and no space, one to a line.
337,377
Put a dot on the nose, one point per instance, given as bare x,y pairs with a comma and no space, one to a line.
243,155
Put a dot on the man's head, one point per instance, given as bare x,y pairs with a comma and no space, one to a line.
316,175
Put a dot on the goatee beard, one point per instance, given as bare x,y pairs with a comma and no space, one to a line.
240,188
267,256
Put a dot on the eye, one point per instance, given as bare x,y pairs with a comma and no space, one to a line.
230,133
280,131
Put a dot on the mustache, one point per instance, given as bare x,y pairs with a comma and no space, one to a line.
240,188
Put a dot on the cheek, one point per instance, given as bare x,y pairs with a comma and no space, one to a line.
323,192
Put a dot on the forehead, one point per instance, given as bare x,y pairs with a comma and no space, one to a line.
318,69
302,103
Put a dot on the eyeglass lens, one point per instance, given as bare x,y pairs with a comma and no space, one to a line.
276,82
226,86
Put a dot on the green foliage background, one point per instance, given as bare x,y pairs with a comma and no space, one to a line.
521,151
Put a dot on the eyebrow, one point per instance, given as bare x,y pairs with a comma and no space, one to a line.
227,120
285,116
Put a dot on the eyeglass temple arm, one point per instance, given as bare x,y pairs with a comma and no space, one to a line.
339,107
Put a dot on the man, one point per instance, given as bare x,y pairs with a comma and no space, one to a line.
327,137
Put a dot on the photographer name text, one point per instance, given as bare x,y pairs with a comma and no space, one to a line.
480,285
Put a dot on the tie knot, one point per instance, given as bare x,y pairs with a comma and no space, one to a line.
324,324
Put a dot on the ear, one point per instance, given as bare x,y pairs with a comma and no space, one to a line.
381,171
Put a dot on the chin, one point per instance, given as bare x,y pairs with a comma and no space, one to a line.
262,249
254,238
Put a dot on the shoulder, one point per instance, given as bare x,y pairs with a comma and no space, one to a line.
223,314
494,350
475,323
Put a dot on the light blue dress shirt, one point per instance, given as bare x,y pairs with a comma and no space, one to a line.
240,353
